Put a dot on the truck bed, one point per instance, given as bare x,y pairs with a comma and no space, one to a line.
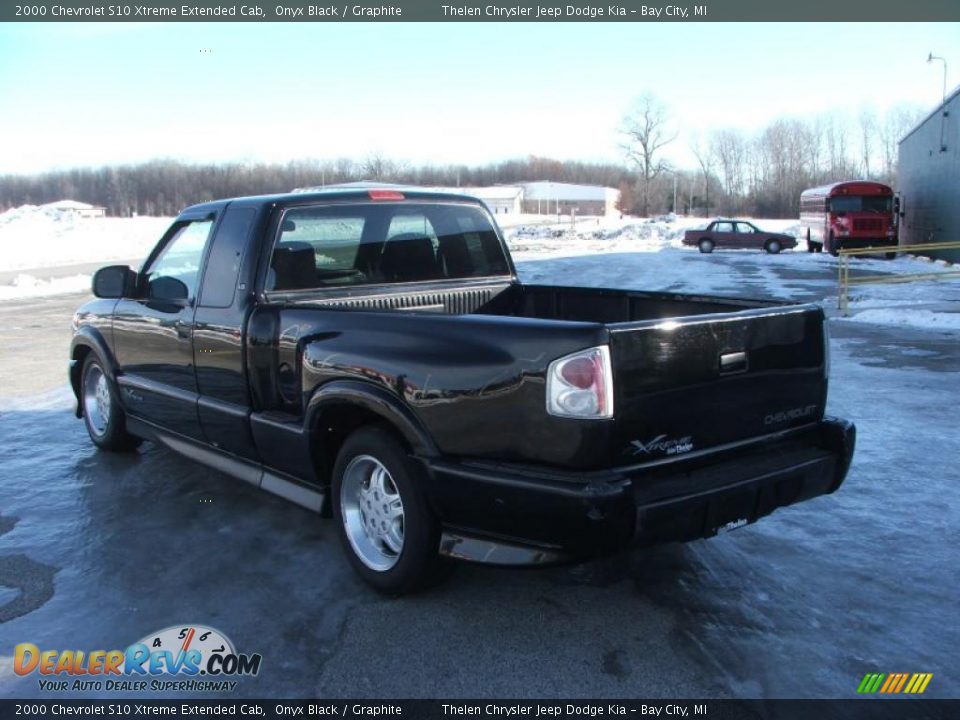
751,368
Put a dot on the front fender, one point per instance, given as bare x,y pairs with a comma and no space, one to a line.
377,401
89,339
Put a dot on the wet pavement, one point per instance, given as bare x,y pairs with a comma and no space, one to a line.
98,550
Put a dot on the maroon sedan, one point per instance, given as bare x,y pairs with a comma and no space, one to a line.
737,234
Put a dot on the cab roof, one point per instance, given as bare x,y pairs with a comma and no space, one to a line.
373,193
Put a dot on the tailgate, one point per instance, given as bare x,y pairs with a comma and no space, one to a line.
691,384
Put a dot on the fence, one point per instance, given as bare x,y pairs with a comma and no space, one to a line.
845,281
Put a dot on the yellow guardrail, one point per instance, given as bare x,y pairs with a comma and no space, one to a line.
845,281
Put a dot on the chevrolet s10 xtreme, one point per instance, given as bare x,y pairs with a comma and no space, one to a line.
371,354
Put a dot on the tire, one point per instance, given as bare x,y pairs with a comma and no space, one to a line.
706,246
393,543
106,424
772,247
810,247
890,256
834,250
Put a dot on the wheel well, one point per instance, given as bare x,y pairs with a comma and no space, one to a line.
335,424
79,357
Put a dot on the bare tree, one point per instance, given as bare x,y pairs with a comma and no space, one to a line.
730,150
868,127
647,132
896,123
705,160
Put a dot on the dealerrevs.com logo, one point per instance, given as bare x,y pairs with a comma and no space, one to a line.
177,658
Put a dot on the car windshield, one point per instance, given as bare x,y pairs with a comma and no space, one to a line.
861,203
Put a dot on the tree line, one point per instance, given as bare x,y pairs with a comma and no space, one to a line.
763,173
737,173
164,187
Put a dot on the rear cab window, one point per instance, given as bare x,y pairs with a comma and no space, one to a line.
324,246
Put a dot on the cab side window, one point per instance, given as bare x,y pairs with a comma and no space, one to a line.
173,273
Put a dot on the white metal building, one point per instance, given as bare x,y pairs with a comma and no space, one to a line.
565,199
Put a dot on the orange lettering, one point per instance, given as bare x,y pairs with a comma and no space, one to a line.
25,658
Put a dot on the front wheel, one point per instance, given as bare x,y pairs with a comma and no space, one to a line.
102,414
773,247
387,529
834,249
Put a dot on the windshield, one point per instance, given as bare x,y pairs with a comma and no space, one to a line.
861,203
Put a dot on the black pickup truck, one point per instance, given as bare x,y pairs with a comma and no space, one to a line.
370,354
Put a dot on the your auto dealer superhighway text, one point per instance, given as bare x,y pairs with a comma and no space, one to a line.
535,12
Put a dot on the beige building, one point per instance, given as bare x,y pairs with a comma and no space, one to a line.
75,209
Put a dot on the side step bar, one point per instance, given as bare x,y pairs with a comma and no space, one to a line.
251,473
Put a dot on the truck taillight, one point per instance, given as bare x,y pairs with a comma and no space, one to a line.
581,385
385,195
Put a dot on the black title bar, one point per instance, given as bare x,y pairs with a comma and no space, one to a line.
859,11
254,709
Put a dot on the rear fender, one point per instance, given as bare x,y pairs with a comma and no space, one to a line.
377,401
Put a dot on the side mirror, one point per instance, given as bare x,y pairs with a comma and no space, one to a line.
166,288
114,281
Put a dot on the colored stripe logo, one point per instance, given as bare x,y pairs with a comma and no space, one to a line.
893,683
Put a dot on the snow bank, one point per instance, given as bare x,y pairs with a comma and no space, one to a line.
43,237
25,285
909,317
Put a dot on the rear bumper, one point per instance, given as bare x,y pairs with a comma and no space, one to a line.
511,515
880,241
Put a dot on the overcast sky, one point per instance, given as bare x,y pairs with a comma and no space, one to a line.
90,94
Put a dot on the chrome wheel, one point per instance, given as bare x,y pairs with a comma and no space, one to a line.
96,400
372,513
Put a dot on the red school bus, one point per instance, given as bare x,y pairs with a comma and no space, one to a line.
852,214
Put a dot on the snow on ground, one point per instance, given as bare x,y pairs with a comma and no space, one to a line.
38,246
44,242
649,255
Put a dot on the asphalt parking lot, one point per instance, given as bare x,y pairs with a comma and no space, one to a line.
98,550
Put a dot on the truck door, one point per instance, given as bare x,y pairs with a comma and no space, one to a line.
218,335
153,332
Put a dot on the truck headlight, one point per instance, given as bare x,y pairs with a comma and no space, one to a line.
581,385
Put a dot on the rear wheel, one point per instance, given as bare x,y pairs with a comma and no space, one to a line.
810,247
387,529
102,414
772,247
890,255
706,246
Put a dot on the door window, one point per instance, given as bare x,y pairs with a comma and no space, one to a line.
744,228
722,227
173,273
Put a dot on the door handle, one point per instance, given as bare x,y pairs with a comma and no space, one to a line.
733,362
183,329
